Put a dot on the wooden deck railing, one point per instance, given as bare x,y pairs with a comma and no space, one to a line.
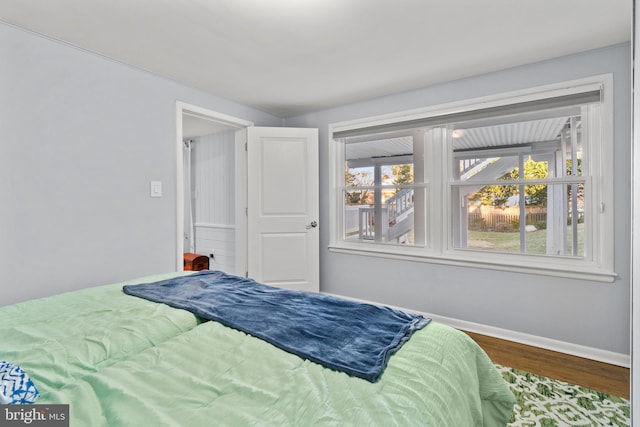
396,210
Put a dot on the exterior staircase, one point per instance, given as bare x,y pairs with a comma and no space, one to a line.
397,217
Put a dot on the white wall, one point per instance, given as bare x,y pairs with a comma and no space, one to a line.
220,241
81,137
214,178
585,313
214,185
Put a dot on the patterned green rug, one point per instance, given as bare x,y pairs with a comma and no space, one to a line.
545,402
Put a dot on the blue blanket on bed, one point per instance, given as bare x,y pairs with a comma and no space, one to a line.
343,335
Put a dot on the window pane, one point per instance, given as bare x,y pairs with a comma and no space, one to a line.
502,212
379,193
397,174
490,167
359,177
391,221
574,241
548,147
538,219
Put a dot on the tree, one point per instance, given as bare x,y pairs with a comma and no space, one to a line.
536,194
403,174
356,179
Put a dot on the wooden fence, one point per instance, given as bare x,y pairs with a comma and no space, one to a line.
489,218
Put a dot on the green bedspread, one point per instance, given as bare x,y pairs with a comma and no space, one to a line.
60,338
124,361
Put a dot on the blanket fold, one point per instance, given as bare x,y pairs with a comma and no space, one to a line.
343,335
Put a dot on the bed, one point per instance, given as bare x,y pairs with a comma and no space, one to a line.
120,360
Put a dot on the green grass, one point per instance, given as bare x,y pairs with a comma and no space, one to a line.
536,241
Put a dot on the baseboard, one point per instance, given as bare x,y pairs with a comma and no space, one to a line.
585,352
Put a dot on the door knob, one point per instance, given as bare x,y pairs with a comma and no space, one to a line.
313,224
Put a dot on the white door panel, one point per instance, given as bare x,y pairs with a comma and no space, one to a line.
282,206
290,247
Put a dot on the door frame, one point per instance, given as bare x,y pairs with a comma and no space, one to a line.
240,172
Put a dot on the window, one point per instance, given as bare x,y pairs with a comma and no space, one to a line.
381,191
518,186
521,181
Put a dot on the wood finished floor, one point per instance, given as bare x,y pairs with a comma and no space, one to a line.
575,370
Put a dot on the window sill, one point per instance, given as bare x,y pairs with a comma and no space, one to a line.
554,267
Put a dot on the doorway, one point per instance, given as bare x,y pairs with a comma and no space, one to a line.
211,188
280,214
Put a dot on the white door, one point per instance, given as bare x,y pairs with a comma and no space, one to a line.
282,213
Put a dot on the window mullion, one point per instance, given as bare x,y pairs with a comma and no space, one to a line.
437,170
422,234
377,204
574,187
521,204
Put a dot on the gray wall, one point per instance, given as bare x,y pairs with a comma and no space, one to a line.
80,138
580,312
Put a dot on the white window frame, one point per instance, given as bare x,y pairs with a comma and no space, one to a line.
597,265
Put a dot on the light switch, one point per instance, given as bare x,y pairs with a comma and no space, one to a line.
156,188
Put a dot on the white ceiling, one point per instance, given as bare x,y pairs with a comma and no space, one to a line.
289,57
